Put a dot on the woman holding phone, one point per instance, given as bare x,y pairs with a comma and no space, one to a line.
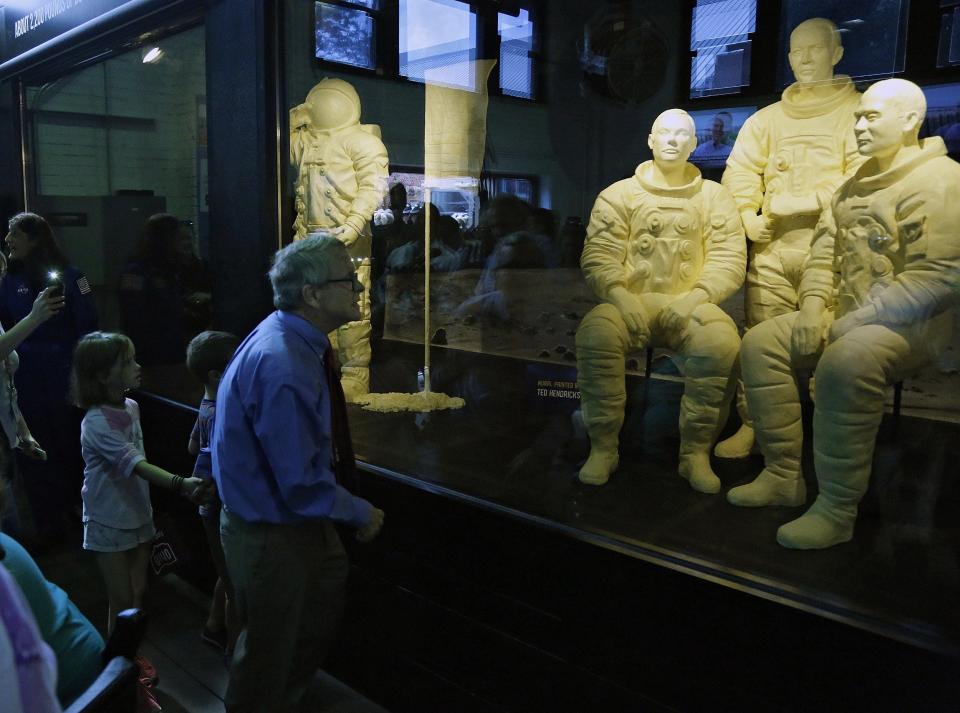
15,431
42,380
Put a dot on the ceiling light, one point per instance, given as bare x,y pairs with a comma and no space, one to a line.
152,54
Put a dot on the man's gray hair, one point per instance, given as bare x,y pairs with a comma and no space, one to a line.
305,262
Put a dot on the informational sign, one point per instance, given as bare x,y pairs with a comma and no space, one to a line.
29,23
552,388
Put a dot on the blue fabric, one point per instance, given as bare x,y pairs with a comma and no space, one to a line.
42,383
272,440
74,640
202,431
203,468
47,354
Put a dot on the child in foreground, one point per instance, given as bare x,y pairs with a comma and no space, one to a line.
207,356
117,515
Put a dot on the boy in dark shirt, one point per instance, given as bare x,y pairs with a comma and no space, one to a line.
207,356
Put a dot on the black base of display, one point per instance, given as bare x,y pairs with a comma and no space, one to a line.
459,607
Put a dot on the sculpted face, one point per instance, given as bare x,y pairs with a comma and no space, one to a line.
672,138
814,51
888,113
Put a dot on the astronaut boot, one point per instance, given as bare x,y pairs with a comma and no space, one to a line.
740,444
696,468
604,458
774,401
851,390
824,525
700,413
353,347
355,381
772,487
603,395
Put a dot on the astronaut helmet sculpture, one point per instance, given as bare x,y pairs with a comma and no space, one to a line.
333,104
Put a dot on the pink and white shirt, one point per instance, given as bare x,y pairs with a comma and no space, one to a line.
112,445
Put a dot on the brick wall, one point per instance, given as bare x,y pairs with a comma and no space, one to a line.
123,124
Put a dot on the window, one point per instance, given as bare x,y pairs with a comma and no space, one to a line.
948,52
522,187
720,42
943,115
345,32
438,41
873,34
116,143
517,45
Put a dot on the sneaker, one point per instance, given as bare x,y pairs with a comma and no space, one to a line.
215,638
148,672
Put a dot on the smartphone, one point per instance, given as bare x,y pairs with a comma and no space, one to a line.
55,282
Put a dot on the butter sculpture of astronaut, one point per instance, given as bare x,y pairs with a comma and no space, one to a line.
341,170
883,273
663,248
787,161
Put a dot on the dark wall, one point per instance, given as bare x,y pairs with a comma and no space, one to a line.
242,120
11,194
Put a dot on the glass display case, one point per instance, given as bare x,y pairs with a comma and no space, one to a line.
120,171
487,297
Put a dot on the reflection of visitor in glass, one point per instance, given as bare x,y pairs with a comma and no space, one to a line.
717,148
572,235
165,292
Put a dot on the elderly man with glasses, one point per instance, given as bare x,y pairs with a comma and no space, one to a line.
281,459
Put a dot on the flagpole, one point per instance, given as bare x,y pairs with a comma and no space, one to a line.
427,200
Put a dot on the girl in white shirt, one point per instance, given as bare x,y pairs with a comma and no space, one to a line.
117,516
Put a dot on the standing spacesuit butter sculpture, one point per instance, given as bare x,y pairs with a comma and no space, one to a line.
884,271
341,179
663,248
787,161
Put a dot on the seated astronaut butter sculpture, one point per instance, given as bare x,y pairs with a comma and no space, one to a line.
884,271
663,248
788,160
341,179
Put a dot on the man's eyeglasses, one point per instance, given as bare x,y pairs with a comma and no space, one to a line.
356,284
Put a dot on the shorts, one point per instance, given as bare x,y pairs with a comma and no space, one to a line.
103,538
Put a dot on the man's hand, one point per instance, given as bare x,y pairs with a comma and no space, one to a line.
848,322
676,314
787,205
372,528
632,310
197,490
30,448
345,234
757,227
807,336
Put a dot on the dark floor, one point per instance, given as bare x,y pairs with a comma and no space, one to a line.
193,675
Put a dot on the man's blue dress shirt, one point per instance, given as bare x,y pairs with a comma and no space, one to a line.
272,439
